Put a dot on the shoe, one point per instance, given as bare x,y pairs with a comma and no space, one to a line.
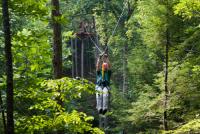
104,111
100,111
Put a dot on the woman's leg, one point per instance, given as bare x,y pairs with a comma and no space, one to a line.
99,98
105,99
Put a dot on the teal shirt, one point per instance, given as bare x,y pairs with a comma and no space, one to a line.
103,81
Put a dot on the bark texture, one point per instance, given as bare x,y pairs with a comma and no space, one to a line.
9,67
57,40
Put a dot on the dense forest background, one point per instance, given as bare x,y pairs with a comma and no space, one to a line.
154,49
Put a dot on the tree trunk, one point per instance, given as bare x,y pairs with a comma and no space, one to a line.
72,51
82,58
2,113
9,67
76,57
57,40
166,80
57,48
166,93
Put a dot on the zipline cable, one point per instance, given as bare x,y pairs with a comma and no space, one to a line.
113,32
95,44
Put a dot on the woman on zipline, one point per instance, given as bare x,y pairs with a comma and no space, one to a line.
103,73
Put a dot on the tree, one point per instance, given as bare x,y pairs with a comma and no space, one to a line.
9,67
57,40
166,79
3,113
57,47
166,94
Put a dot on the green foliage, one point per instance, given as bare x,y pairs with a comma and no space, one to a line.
29,7
188,9
49,116
152,21
118,112
145,65
73,123
191,127
32,50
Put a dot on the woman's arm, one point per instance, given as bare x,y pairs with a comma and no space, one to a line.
108,62
98,66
